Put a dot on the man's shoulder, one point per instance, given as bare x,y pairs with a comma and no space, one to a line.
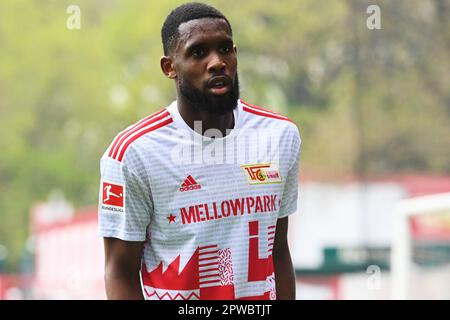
129,138
265,117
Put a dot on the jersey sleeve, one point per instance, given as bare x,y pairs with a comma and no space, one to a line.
125,206
290,192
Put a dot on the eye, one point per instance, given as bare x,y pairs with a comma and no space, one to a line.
225,48
198,53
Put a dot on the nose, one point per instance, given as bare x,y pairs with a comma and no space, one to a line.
216,63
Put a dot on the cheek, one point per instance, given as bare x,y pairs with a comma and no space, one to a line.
195,72
194,75
234,63
186,68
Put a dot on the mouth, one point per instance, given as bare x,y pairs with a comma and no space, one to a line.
219,85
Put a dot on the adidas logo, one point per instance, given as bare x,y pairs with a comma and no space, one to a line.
189,184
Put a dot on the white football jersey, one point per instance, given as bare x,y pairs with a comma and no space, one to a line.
207,208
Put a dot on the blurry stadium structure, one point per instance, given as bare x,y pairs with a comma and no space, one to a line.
340,241
68,252
420,253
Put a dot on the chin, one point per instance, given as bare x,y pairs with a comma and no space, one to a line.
221,105
205,101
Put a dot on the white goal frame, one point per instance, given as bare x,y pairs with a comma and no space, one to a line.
401,249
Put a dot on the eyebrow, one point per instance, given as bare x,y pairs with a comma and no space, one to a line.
195,45
200,44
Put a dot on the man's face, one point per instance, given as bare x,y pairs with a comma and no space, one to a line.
206,66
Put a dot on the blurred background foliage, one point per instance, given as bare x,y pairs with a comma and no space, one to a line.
369,103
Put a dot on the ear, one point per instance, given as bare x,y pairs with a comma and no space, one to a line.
167,67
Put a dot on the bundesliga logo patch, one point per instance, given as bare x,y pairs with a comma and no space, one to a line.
113,197
261,173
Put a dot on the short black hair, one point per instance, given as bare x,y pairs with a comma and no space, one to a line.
184,13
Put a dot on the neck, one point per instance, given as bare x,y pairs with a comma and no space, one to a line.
208,120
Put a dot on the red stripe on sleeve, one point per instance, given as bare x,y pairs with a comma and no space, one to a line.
116,140
159,125
141,126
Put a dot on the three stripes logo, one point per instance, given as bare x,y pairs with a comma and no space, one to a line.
189,184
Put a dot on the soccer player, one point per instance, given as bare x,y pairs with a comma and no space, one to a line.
205,185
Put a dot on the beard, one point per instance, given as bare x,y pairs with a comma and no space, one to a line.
203,101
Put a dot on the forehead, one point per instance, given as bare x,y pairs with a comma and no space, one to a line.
202,30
